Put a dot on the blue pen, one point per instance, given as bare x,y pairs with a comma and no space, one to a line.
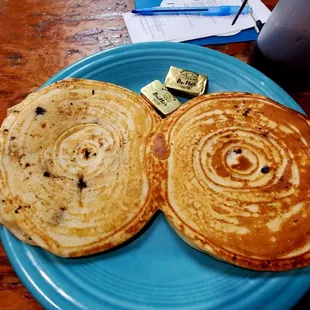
204,11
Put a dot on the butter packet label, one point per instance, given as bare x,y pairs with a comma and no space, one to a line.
160,97
185,82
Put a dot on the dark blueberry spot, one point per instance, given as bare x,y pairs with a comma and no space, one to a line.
16,211
12,138
236,106
264,135
93,92
63,209
234,258
94,154
268,262
86,153
295,221
81,184
265,169
246,112
227,136
40,111
46,174
71,103
3,201
238,151
5,130
27,165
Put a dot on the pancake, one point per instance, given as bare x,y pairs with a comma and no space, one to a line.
6,215
74,167
232,177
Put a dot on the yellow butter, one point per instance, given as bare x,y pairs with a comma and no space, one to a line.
185,82
160,97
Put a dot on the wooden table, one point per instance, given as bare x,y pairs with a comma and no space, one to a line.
40,37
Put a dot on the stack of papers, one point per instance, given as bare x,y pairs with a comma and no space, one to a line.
179,28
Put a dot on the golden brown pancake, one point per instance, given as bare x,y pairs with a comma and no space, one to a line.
232,177
73,167
83,168
6,211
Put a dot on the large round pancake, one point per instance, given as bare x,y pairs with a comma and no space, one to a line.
74,162
233,179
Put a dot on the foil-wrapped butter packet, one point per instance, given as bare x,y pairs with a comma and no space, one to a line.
160,97
185,82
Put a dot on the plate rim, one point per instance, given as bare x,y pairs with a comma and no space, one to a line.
177,45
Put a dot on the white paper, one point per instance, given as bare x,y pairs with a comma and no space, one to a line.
180,28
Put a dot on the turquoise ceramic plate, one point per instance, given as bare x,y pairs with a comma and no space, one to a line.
157,270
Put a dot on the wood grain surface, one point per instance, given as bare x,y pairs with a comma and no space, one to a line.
40,37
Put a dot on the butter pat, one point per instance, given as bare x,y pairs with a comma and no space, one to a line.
160,97
186,83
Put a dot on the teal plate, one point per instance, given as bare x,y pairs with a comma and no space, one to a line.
157,270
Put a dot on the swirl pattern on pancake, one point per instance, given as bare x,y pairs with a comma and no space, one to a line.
73,167
235,179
